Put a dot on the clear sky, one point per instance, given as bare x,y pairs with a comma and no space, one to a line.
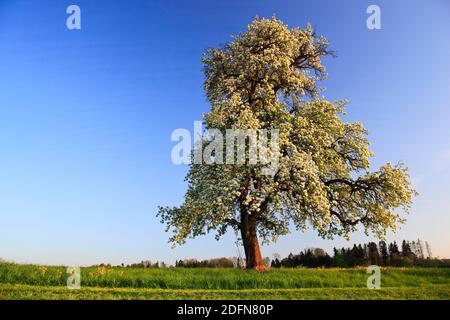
86,116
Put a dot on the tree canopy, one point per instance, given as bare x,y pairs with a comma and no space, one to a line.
268,78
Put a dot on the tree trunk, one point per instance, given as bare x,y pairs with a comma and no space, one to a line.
253,258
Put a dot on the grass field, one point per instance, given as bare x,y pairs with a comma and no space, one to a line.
34,282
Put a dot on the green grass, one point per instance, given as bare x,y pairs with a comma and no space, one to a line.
31,282
52,293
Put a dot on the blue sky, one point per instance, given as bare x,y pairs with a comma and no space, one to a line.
86,116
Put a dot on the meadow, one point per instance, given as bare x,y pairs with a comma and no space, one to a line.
45,282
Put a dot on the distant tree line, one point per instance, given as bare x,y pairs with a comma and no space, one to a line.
142,264
148,264
414,253
408,253
211,263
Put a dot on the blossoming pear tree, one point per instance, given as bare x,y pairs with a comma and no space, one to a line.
267,78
